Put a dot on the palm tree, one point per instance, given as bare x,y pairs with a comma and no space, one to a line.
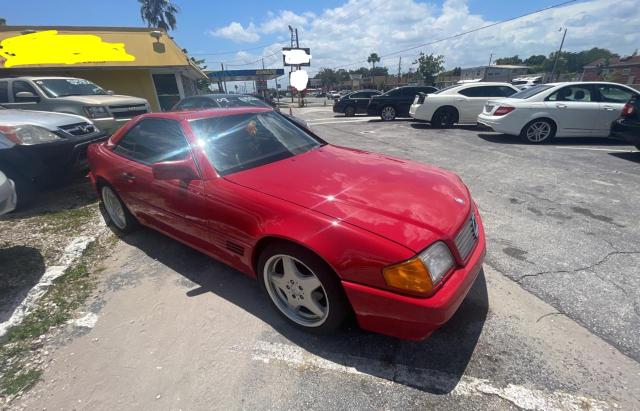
373,59
159,13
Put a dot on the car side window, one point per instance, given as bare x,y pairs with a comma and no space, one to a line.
474,92
154,140
614,94
409,91
359,95
578,93
505,91
20,86
208,103
395,92
4,92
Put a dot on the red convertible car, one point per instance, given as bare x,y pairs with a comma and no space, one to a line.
327,231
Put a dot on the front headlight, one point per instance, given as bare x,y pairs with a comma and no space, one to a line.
422,273
29,135
96,111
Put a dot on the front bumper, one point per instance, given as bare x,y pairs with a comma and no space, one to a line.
415,318
47,164
630,133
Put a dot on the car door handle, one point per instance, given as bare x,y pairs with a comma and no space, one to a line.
128,176
459,99
561,105
608,108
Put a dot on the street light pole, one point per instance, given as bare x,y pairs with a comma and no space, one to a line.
555,61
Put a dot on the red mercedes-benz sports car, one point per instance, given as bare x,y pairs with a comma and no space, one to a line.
327,231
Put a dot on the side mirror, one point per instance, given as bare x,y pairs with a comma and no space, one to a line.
184,170
26,96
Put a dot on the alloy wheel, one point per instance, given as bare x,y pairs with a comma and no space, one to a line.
114,207
538,132
388,113
296,290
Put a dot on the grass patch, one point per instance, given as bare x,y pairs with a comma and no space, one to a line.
66,220
57,306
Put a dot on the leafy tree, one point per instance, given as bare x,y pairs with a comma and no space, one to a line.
429,65
455,72
3,22
514,60
203,83
159,13
373,59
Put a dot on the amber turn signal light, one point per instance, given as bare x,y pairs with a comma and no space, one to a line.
410,275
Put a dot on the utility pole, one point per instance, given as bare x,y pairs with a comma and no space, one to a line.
399,68
555,61
484,75
224,81
291,67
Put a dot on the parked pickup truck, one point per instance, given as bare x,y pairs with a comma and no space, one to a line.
72,96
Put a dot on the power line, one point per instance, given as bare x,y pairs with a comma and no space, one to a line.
234,51
462,33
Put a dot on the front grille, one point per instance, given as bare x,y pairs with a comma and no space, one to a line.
467,237
78,129
128,111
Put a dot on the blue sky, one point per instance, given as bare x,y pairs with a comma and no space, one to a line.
343,33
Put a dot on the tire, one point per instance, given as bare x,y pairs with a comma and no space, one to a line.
26,189
350,111
444,117
115,212
309,294
538,131
388,113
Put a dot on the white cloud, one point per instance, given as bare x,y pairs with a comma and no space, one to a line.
235,32
349,33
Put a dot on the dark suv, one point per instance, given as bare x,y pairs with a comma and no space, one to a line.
395,102
354,103
627,127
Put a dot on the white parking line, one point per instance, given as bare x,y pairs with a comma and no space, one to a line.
359,120
595,149
520,396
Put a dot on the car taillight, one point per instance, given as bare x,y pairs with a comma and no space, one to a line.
502,110
628,110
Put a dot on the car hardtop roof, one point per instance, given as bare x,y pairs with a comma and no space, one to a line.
568,83
224,95
209,113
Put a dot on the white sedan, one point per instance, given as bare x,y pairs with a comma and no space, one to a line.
573,109
457,104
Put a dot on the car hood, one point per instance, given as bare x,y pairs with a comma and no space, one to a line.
106,100
406,202
47,119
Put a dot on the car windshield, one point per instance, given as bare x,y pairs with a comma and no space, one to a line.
244,141
61,87
239,101
530,92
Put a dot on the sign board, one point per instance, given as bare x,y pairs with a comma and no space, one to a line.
296,56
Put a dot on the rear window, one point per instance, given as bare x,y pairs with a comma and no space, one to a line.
530,92
239,101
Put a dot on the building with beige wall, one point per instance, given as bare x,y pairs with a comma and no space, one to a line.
141,62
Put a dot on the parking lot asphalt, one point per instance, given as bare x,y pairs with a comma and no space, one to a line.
551,324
